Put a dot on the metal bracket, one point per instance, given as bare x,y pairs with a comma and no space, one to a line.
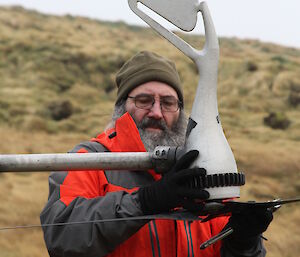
183,16
163,158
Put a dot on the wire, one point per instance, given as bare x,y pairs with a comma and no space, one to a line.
71,223
173,216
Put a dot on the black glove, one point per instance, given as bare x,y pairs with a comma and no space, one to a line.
173,189
248,225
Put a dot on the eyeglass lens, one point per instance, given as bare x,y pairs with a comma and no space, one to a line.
146,101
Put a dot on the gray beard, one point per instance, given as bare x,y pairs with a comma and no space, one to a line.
174,136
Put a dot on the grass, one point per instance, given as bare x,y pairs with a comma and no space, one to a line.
44,59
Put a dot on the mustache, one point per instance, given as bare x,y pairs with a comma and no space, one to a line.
152,123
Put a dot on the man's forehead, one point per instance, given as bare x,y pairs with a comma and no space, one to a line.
154,88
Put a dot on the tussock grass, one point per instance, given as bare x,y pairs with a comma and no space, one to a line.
44,59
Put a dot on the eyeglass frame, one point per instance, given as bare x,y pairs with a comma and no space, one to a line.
179,103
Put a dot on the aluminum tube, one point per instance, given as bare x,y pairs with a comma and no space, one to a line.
76,161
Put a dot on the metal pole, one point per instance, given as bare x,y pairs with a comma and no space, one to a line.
161,160
76,161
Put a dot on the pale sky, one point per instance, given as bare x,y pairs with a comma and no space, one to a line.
267,20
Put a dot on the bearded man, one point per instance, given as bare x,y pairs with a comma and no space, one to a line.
148,113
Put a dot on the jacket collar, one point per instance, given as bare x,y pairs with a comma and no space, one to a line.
124,137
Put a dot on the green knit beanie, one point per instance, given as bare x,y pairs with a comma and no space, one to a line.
145,67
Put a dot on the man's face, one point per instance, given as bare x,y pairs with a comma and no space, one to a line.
159,91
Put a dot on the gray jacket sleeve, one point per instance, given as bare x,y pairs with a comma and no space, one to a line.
258,250
93,239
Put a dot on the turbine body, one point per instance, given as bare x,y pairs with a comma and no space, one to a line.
204,131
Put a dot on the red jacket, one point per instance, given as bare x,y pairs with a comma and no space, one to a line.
90,195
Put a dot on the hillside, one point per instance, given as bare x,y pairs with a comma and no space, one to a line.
57,89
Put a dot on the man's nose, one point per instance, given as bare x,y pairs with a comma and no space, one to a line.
155,111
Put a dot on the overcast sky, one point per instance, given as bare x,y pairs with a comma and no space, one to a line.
266,20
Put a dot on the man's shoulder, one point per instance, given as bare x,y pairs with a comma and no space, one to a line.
90,147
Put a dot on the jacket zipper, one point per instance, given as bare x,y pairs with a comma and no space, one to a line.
187,227
154,239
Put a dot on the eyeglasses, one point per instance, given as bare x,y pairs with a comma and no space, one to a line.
145,101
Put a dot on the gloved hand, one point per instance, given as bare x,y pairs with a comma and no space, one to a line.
248,226
173,189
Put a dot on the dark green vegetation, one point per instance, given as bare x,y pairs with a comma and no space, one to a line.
57,88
